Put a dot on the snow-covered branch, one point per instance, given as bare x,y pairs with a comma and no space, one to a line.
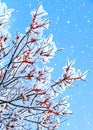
27,93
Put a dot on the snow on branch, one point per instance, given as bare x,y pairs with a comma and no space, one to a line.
27,94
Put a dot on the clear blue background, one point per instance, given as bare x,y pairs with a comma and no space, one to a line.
72,27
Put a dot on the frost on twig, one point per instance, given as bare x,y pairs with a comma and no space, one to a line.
27,95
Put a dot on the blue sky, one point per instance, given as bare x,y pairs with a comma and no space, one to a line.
72,27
